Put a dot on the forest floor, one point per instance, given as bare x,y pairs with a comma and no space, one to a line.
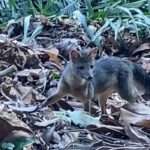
30,67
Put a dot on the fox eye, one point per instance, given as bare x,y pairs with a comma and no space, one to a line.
91,66
81,67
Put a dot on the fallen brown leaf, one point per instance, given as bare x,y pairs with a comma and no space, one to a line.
127,117
9,122
135,134
145,47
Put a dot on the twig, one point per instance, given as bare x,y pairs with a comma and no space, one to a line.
8,70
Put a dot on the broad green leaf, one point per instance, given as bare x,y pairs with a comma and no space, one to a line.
147,20
69,9
126,10
115,4
26,28
149,6
39,4
82,20
101,14
135,4
102,29
89,7
34,10
37,31
141,24
144,21
138,11
98,41
116,27
91,30
12,3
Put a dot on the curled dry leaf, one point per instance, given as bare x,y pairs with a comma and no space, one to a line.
138,108
143,48
30,72
21,95
127,117
27,109
48,135
135,134
9,122
3,38
59,135
51,136
18,54
52,54
145,63
67,44
117,131
34,77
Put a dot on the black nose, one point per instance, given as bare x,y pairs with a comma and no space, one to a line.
90,78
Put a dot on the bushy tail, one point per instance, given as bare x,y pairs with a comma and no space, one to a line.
142,77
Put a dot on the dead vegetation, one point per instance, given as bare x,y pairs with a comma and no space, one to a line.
31,62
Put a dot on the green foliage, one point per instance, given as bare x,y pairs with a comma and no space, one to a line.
26,27
26,37
12,3
16,144
47,9
55,76
57,7
115,15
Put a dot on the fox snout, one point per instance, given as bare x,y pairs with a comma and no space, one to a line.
89,78
88,74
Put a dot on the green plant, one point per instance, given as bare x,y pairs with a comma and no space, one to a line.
51,7
116,18
47,9
37,30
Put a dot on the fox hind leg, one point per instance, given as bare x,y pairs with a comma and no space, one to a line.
126,87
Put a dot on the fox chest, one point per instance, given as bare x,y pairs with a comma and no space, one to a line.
82,92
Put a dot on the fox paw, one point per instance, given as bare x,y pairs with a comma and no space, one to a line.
108,120
104,118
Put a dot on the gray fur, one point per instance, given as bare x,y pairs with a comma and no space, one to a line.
109,75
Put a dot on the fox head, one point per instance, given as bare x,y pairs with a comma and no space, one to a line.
82,63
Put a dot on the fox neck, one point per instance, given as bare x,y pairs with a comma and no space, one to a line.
75,78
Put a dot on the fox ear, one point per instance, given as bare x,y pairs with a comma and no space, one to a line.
74,55
93,52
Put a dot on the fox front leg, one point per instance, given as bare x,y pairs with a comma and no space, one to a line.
60,92
52,99
102,101
88,106
90,96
